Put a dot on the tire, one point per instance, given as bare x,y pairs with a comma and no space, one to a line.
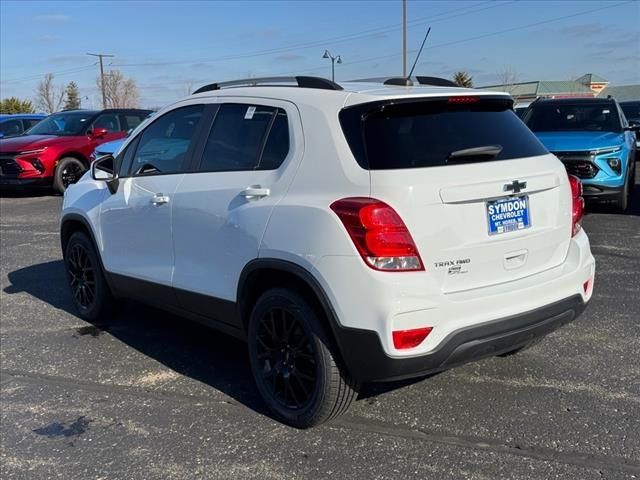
622,199
89,290
293,361
68,171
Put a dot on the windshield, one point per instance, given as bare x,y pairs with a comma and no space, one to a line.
631,110
62,124
570,117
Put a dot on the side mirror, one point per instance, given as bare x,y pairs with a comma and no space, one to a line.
104,170
97,133
633,127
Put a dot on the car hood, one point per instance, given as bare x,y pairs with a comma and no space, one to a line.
577,141
109,147
30,142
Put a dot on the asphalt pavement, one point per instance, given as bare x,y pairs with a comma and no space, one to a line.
152,396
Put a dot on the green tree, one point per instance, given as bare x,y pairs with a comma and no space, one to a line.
463,79
73,96
15,105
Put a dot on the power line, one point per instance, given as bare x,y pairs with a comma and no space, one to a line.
334,40
58,73
477,37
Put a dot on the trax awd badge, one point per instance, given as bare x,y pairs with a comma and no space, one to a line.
454,267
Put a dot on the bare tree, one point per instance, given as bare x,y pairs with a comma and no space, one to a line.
49,97
507,76
120,92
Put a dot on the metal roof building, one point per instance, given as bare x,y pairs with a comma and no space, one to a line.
588,85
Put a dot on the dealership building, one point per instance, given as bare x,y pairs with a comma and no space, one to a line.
589,86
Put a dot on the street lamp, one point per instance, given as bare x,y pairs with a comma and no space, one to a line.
334,60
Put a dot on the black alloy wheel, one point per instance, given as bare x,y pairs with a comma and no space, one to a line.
288,360
89,290
71,173
82,277
294,361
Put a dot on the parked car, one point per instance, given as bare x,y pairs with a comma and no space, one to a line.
593,140
349,233
110,148
12,125
56,150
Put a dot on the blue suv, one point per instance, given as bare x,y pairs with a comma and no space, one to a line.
594,141
12,125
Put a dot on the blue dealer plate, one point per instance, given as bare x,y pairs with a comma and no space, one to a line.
508,214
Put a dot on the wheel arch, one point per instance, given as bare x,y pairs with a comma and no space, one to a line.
72,223
261,274
74,154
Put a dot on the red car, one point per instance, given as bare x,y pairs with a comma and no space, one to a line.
56,151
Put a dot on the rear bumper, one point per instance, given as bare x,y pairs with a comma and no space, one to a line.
366,360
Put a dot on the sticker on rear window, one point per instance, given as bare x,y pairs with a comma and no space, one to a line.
250,112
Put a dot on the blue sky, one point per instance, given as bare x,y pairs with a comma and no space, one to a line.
168,45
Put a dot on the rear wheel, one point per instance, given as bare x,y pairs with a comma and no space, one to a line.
89,289
68,172
293,362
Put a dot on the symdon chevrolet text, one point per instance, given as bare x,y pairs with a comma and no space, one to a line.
349,233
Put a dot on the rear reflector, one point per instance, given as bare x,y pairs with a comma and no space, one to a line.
403,339
464,99
378,233
577,204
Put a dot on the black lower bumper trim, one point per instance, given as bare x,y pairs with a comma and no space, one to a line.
366,360
26,182
596,192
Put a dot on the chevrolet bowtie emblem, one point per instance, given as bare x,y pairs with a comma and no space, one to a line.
515,186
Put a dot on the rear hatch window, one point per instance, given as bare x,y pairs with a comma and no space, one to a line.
436,132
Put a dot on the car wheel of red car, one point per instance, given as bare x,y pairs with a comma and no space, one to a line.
68,171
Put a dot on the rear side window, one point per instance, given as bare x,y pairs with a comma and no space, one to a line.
164,143
419,134
246,137
130,121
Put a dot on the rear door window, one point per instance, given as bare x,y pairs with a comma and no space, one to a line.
426,133
246,137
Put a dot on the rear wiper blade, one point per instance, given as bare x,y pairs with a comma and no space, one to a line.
476,153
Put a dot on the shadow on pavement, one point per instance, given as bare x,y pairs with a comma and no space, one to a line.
187,348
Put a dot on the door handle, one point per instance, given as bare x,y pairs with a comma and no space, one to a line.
255,192
159,199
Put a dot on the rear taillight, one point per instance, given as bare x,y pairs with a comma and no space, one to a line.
577,204
403,339
379,234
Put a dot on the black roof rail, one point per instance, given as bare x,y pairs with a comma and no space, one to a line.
401,81
300,81
408,82
436,82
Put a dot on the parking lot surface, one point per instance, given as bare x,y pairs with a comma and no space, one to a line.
152,396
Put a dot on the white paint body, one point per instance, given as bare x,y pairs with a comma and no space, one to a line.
205,234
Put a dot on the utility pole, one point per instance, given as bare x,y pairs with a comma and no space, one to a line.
101,56
404,38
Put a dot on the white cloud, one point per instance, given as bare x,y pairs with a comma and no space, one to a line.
53,18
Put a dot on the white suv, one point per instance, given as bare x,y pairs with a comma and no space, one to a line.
350,233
